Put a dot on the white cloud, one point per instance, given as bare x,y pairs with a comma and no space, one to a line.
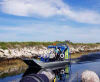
48,8
84,16
40,32
43,8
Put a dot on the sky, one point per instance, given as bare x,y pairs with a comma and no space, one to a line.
50,20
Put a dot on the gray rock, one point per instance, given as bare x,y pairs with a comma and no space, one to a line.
89,76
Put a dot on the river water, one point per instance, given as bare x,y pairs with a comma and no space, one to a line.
68,73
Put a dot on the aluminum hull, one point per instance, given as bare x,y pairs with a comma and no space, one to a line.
37,63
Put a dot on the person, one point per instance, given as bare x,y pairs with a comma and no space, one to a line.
56,53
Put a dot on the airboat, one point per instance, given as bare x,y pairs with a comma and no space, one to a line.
62,58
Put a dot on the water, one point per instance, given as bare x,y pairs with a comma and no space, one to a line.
71,73
15,78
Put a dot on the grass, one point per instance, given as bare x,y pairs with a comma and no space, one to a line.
6,45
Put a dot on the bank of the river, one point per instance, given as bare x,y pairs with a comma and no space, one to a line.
14,66
13,69
10,67
33,49
11,52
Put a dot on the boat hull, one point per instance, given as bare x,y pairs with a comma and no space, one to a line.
37,63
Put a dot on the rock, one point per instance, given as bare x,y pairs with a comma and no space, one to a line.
1,54
41,51
89,76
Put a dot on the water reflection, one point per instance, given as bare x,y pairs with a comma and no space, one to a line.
31,70
72,73
69,73
61,74
92,57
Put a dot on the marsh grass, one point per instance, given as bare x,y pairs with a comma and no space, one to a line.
6,45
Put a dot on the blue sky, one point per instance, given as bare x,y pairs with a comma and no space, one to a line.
50,20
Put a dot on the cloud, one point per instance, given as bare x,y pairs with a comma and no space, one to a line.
48,8
30,7
40,32
84,16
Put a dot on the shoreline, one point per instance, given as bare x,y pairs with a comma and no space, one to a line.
9,66
74,55
31,52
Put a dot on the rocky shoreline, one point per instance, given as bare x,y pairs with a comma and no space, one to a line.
42,51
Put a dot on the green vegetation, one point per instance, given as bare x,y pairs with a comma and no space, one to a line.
6,45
